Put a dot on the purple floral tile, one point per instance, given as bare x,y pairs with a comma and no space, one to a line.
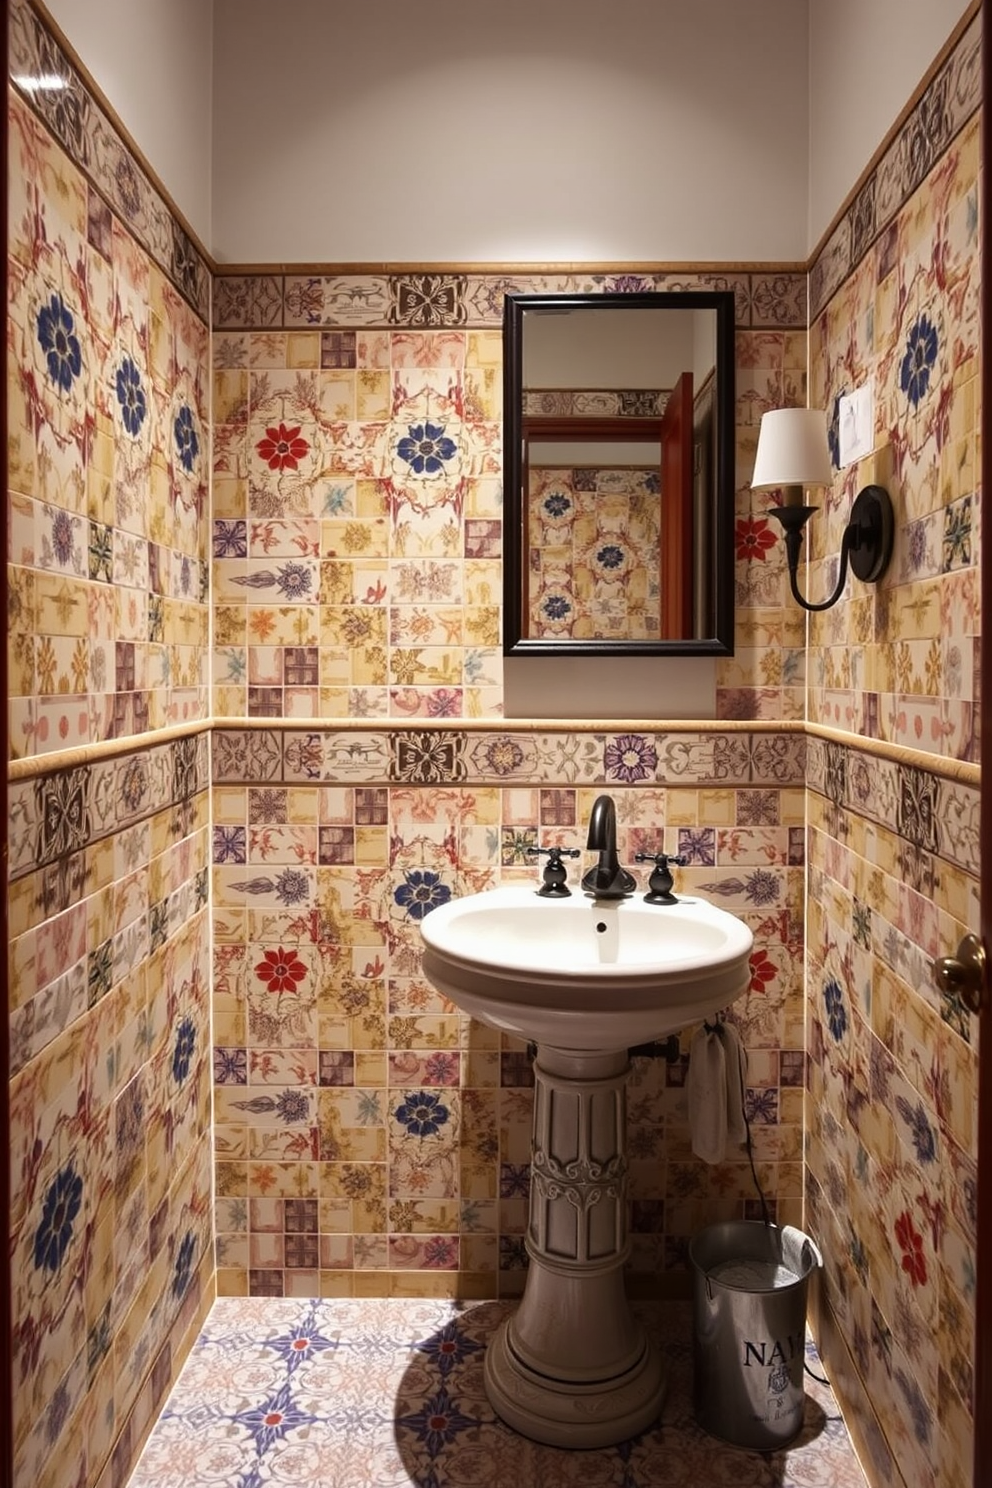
230,1066
629,759
698,846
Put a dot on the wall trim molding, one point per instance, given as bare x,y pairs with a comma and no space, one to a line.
899,754
32,767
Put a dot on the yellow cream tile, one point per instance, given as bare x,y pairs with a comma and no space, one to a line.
483,583
716,808
374,396
483,393
337,1283
953,893
22,471
370,1067
372,846
231,702
61,605
230,404
958,1067
372,500
355,537
302,349
23,973
338,394
230,496
230,804
232,1282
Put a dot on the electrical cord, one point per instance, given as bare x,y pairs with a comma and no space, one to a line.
820,1378
748,1147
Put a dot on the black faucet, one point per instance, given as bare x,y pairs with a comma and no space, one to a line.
607,880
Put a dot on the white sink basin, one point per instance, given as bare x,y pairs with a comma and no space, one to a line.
584,973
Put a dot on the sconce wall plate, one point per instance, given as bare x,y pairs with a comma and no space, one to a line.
872,516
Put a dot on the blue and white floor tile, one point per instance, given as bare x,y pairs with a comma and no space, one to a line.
389,1394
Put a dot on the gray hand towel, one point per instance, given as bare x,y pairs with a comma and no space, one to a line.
715,1091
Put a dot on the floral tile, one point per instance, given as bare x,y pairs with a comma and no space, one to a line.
391,1392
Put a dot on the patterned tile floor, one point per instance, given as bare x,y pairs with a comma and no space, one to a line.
386,1394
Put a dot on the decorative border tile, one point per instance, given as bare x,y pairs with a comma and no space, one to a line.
931,813
93,142
502,757
948,102
431,301
61,812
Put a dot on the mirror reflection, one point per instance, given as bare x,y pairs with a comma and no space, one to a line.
619,463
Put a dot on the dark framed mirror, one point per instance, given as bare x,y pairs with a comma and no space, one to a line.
618,423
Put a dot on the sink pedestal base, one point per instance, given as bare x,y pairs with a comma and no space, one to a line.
572,1367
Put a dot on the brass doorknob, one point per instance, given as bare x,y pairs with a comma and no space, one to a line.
963,975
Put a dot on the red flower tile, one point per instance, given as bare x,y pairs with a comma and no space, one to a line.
281,970
763,971
753,538
283,448
911,1244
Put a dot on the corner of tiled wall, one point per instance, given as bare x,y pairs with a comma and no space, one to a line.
893,801
112,1264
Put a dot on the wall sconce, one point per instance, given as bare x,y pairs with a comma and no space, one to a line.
792,453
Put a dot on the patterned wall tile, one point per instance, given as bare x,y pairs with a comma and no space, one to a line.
898,663
110,1090
108,579
893,844
108,464
418,1120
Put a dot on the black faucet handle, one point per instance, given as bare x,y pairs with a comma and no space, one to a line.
660,883
554,875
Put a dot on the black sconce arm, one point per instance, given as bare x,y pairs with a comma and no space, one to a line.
866,544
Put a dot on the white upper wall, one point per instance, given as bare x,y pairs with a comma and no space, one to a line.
152,60
544,131
867,58
530,131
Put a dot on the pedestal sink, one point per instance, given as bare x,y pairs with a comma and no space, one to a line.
585,979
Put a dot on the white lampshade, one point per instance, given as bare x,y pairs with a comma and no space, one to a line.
792,449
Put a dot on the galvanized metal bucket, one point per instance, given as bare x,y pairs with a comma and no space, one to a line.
750,1284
